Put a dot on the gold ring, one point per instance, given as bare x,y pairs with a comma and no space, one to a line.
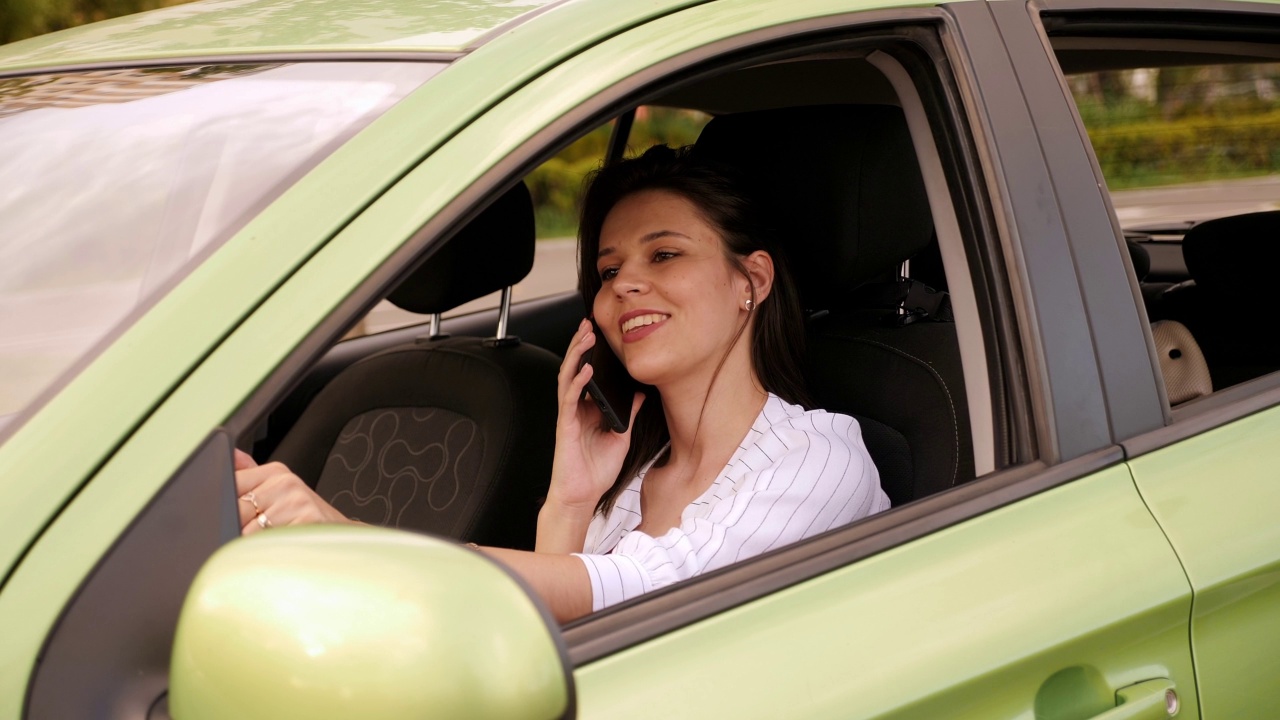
252,501
263,522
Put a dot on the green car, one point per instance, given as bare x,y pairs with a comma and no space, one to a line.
1025,236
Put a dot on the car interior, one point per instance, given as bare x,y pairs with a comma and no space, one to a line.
380,419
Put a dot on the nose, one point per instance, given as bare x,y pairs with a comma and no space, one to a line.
630,280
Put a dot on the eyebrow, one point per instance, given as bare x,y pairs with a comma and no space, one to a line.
604,252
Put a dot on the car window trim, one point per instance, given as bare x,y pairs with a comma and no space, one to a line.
1221,408
234,59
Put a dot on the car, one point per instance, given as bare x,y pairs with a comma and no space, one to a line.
1062,368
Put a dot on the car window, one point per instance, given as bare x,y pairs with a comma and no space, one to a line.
1186,143
113,181
556,187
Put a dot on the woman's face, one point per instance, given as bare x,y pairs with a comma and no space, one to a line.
670,304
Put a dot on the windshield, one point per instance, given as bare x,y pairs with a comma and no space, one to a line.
112,181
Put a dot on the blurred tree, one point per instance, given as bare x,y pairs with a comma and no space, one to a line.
21,19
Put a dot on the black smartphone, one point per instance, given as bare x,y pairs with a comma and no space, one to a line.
610,386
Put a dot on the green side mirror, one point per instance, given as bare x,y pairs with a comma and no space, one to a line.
342,622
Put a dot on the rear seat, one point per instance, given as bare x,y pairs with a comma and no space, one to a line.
1226,258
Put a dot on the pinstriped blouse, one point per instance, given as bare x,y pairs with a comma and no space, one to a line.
796,473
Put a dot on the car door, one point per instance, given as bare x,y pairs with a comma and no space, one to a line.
1209,473
1043,588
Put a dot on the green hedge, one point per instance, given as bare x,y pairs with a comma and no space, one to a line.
1188,149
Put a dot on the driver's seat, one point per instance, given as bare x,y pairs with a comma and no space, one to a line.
849,207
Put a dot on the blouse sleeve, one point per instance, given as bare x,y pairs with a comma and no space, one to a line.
816,475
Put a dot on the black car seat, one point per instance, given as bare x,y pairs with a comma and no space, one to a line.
849,207
449,435
1224,257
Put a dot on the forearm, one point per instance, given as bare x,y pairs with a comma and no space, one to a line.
560,580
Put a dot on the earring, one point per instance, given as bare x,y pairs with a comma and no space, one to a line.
749,305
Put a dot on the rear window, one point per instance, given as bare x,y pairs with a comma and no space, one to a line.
114,183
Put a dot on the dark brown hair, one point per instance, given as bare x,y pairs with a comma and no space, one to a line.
723,200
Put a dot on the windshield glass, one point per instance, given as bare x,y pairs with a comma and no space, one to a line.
112,181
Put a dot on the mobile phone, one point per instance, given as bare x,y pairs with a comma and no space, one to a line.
611,386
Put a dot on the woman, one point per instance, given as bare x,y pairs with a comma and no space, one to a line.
721,460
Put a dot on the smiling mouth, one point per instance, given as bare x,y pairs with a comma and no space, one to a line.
640,321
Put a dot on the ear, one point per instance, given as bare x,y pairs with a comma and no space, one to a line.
759,265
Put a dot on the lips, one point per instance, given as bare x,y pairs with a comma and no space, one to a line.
640,321
637,324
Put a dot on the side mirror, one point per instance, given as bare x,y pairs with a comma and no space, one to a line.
342,622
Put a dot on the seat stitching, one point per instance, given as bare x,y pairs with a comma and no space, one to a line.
955,423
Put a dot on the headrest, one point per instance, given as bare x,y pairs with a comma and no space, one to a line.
1140,258
1223,255
1186,374
493,251
842,187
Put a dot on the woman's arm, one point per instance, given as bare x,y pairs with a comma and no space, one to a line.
560,580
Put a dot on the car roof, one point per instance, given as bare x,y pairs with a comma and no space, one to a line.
228,28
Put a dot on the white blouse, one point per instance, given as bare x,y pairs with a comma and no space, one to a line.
795,474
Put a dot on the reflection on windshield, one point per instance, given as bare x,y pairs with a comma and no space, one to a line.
111,181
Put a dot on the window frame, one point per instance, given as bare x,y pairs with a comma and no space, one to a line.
1208,21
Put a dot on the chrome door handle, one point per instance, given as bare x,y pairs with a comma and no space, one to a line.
1151,700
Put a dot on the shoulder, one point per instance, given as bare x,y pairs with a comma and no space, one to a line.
791,427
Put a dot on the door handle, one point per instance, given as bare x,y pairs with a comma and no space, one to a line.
1151,700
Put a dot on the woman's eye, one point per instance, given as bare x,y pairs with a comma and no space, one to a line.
662,255
608,273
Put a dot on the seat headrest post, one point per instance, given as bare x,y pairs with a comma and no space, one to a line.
504,312
434,327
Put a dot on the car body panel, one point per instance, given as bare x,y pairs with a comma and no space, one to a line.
970,622
326,27
246,26
1216,496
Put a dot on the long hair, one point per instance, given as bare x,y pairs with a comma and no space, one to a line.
722,199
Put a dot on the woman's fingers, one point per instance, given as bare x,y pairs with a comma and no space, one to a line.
243,460
573,394
261,489
581,343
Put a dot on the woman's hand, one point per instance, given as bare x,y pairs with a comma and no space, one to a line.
588,455
272,492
